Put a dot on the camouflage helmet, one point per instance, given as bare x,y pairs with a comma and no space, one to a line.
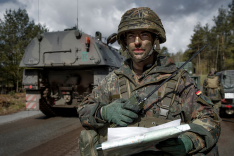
213,71
142,18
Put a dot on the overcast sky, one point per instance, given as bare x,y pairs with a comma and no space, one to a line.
178,16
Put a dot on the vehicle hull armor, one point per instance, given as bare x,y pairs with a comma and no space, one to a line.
61,68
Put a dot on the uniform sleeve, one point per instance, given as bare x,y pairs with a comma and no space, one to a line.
87,109
199,114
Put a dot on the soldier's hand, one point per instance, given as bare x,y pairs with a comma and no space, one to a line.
118,113
223,100
176,147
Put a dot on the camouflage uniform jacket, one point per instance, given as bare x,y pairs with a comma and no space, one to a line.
219,94
204,122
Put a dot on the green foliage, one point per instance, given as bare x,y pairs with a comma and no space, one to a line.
12,93
177,57
16,31
164,52
220,53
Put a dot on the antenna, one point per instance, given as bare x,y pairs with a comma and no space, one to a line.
77,16
38,13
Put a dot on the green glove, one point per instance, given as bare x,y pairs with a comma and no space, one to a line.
119,113
178,146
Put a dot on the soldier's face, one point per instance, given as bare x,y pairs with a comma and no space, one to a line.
139,44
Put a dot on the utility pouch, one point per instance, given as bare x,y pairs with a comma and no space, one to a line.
212,82
87,143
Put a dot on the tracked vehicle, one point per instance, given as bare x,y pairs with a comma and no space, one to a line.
63,67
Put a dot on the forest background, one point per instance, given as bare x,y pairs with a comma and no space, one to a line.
220,53
16,32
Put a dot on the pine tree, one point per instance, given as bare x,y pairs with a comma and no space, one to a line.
16,31
197,41
164,51
223,33
230,41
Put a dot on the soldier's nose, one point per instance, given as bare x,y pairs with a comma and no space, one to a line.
137,41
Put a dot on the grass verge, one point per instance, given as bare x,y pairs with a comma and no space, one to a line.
12,103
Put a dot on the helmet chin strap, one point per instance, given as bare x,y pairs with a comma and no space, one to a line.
156,42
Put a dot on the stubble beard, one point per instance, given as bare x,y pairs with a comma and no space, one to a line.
138,57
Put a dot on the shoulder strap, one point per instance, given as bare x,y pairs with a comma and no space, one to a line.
168,94
124,87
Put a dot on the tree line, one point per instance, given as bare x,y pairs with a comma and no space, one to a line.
16,31
220,53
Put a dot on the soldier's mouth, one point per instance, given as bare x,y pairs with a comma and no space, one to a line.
138,50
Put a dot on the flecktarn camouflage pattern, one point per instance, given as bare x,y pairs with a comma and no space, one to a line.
194,109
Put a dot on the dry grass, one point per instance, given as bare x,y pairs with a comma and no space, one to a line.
12,103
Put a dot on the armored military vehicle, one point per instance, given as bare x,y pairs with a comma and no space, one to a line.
63,67
227,80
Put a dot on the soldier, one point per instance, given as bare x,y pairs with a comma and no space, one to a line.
139,34
213,88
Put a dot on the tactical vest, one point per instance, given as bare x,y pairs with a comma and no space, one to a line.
213,89
213,82
166,99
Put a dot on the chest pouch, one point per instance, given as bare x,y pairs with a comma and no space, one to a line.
212,82
167,96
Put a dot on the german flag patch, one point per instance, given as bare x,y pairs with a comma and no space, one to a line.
198,92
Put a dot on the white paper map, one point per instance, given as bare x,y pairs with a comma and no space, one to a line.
125,141
124,132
